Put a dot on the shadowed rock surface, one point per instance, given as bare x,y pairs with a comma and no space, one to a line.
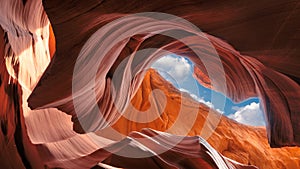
256,30
37,70
245,144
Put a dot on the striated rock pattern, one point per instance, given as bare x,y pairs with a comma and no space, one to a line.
48,136
245,144
256,30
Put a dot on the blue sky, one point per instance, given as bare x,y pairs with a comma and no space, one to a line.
178,70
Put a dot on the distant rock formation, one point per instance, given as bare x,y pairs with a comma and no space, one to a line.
245,144
37,62
257,30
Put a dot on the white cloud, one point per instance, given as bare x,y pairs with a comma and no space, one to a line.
176,67
201,100
178,71
250,115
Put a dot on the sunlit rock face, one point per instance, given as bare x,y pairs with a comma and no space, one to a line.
255,30
245,144
49,136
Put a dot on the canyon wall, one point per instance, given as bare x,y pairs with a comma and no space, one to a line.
37,71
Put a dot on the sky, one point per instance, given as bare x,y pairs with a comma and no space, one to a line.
179,71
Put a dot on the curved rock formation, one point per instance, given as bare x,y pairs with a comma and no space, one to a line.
27,46
245,144
277,87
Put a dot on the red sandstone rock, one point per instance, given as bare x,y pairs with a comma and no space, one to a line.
254,29
245,144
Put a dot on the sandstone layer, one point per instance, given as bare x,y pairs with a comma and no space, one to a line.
49,50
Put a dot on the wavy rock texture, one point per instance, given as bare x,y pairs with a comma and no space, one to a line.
245,144
265,30
27,46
